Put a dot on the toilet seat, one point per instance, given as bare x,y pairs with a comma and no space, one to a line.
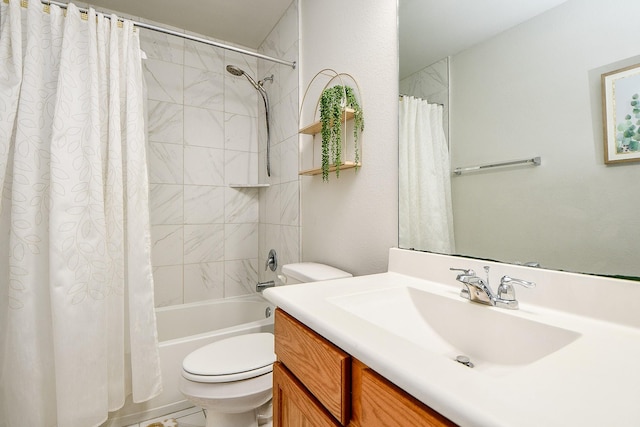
231,359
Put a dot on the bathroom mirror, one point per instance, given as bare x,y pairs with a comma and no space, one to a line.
522,79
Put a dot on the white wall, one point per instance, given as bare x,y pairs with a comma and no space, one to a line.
351,222
535,91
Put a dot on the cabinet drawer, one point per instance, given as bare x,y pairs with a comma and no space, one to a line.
384,404
323,368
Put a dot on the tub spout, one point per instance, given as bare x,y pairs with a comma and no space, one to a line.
261,286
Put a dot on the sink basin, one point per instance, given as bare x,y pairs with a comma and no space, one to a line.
495,341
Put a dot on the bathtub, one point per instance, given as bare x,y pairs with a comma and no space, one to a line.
183,329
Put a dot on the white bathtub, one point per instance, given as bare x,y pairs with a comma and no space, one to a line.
187,327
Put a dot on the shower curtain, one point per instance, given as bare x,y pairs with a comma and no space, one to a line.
76,290
425,210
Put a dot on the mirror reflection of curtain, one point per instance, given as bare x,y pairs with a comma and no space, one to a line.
426,215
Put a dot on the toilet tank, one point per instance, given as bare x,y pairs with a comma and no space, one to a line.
303,272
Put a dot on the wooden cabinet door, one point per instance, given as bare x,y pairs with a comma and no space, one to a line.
293,405
323,368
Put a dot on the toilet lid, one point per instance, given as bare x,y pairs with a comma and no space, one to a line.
231,359
313,272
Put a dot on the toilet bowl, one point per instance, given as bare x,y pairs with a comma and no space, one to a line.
232,379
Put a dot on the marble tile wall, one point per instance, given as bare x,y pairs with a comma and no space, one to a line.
205,128
279,213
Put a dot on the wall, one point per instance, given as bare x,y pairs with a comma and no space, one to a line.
351,222
535,91
206,130
280,203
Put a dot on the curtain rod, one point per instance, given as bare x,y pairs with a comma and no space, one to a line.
186,36
403,95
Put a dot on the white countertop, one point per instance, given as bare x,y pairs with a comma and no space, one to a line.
594,381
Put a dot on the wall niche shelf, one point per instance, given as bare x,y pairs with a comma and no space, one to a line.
249,185
311,149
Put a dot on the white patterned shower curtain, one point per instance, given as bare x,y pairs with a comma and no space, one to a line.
425,209
76,290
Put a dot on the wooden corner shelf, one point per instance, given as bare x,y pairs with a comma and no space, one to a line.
311,148
332,168
316,127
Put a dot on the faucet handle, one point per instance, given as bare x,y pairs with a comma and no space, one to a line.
272,261
465,271
464,277
508,279
506,291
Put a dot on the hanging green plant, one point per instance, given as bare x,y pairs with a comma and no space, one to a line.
333,102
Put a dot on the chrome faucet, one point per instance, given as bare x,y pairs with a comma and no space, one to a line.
477,290
261,286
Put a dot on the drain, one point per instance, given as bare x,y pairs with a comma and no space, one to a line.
267,312
464,360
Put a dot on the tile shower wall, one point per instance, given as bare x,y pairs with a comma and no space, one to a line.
205,128
279,213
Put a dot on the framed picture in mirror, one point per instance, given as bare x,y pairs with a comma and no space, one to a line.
621,115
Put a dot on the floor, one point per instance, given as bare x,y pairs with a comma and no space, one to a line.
192,417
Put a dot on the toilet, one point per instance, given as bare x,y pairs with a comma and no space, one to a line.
304,272
232,379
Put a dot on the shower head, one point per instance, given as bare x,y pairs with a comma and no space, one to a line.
236,71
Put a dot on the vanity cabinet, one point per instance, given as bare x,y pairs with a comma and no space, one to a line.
318,384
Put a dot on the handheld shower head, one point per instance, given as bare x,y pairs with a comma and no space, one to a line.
236,71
